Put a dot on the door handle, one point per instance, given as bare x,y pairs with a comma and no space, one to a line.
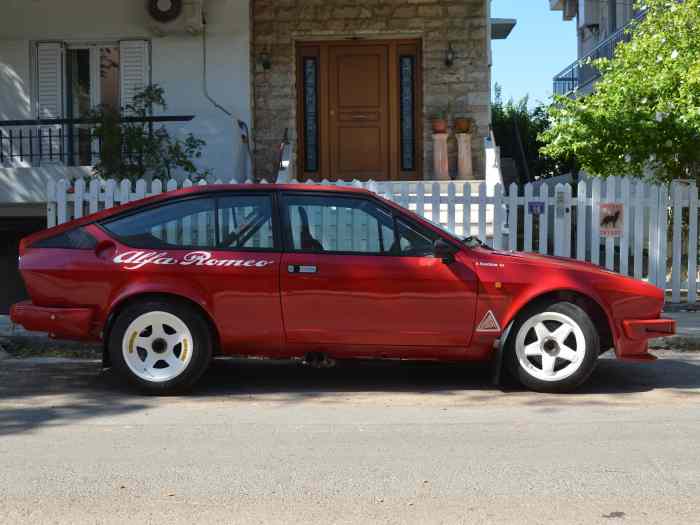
302,268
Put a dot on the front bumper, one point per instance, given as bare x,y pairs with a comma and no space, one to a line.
59,323
643,329
633,345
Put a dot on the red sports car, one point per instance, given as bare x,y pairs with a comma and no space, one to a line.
319,273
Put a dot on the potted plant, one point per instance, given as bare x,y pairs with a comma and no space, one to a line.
463,124
439,121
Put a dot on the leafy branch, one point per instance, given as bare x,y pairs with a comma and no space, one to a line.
136,149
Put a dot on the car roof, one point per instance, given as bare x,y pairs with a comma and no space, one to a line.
198,190
218,188
268,187
222,188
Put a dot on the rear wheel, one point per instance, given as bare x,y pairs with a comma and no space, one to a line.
553,348
161,346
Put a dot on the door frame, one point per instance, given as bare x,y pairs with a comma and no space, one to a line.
319,49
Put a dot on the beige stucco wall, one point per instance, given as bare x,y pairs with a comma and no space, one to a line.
278,24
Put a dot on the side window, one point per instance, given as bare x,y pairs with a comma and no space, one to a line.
185,223
245,222
320,223
414,242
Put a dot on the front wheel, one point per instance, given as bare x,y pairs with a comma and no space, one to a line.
161,346
553,348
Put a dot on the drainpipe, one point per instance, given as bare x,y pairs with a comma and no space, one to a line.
245,142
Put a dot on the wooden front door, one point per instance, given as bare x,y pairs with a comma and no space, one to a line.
358,124
358,110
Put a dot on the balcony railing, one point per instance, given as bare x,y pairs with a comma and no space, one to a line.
582,73
71,142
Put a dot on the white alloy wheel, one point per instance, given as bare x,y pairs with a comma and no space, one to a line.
550,346
157,346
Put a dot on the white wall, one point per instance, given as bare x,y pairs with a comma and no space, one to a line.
176,62
15,101
20,186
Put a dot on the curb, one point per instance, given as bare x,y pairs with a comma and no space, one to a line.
676,342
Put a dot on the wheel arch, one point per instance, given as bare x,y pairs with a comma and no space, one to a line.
125,301
588,304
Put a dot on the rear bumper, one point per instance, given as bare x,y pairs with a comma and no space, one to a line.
633,345
60,323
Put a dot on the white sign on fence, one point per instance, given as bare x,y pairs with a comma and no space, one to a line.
620,223
611,220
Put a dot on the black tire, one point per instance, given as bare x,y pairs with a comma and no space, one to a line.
200,348
582,367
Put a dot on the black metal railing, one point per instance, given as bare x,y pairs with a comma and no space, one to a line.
72,142
582,73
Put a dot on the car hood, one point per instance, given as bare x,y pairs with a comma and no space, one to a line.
547,264
551,261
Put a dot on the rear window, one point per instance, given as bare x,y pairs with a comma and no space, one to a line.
77,239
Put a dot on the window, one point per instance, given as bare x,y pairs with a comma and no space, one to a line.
338,224
185,223
414,242
92,74
77,239
407,65
71,78
311,121
231,222
245,222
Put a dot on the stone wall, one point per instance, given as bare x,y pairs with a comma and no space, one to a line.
278,24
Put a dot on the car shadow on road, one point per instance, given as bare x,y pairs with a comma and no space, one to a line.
620,377
34,395
258,377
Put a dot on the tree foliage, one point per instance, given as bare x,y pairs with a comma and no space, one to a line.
643,118
134,149
513,124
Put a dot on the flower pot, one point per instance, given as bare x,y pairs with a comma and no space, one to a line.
463,125
439,125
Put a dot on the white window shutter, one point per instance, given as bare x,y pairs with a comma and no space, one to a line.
49,80
49,99
135,68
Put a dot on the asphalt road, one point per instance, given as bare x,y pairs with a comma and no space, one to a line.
263,442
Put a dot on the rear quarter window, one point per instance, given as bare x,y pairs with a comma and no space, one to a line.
183,223
220,222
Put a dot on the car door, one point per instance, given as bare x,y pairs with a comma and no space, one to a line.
220,249
353,274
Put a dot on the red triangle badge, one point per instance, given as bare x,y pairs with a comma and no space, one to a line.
489,323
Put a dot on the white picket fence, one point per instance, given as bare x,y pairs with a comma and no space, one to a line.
563,220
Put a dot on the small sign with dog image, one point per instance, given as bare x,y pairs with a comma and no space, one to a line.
611,220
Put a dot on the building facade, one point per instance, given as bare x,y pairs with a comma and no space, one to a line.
600,26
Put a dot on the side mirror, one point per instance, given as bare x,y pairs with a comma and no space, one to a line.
444,250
